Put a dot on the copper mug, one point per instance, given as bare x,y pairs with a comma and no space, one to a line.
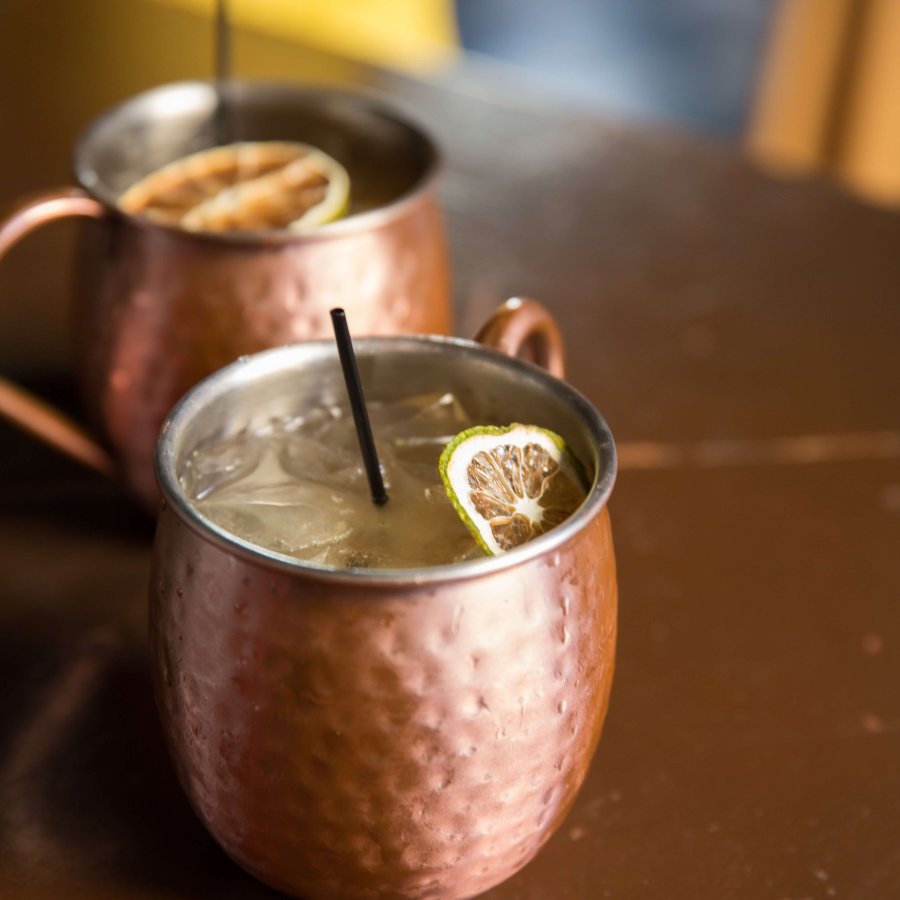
158,308
408,733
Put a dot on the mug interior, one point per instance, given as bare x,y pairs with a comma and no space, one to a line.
387,158
287,381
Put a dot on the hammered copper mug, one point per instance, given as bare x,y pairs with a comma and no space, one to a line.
412,733
158,308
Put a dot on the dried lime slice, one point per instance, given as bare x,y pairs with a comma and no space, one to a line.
510,485
256,186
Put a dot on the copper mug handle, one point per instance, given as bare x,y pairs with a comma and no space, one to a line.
17,405
523,327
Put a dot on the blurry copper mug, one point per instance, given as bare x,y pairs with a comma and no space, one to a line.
406,733
158,308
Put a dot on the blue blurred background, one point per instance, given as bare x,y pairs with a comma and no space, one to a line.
689,61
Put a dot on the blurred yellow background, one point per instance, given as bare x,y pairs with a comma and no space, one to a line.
407,34
827,99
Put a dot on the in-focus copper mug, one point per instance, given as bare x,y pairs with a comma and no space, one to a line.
158,308
409,733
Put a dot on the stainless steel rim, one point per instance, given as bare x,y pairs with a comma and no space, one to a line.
357,222
273,360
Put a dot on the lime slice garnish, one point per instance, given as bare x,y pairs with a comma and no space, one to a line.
511,485
254,186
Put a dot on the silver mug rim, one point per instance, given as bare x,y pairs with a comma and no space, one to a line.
351,224
605,468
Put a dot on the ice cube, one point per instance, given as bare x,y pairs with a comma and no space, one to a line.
311,458
424,416
296,518
214,466
432,421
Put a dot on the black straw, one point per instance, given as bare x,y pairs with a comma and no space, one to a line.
358,406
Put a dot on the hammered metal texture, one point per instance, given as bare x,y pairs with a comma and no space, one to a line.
158,310
356,740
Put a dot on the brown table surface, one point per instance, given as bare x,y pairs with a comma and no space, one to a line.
741,337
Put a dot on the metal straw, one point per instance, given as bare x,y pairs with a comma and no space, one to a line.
358,406
223,130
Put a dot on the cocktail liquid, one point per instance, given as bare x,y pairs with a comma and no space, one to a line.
297,486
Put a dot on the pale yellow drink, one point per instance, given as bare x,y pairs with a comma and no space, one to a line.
297,486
